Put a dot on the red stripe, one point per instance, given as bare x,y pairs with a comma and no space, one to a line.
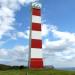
36,63
36,26
36,43
36,12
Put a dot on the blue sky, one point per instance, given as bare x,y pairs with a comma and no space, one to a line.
58,33
60,12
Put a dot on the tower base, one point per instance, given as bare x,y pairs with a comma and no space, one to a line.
36,63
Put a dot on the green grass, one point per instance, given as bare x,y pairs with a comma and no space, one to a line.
9,72
37,72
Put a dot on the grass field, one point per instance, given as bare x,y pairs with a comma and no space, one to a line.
37,72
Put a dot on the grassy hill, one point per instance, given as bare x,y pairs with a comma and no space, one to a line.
15,70
36,72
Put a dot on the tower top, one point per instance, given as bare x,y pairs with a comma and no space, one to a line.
36,4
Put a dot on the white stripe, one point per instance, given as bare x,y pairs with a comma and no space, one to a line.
36,19
36,35
36,53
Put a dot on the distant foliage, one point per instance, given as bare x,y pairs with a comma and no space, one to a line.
49,67
47,70
7,67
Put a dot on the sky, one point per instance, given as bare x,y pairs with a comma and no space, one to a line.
58,33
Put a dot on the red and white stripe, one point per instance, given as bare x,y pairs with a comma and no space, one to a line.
36,59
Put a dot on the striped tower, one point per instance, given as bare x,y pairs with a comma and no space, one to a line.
35,58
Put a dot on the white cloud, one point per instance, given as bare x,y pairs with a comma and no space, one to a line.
64,40
64,35
7,14
13,36
16,35
1,43
18,55
57,45
3,53
23,34
61,50
45,30
67,54
6,20
26,1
